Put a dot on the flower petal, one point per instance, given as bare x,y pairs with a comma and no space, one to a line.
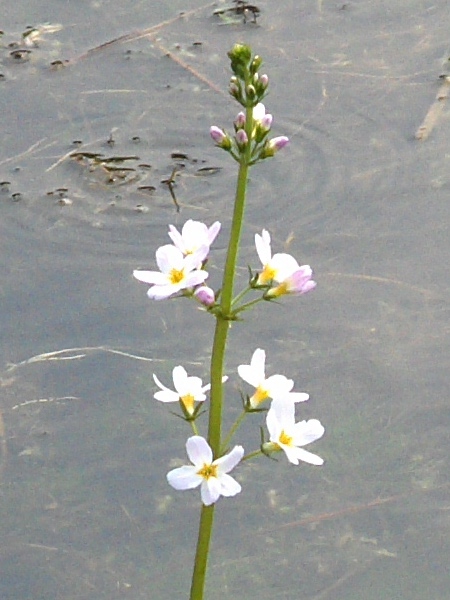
198,450
284,265
229,486
306,432
210,491
166,396
295,455
263,249
278,386
180,379
169,257
213,232
227,462
184,478
161,292
152,277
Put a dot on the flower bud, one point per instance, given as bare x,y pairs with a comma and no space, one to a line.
234,90
241,138
273,146
205,295
266,122
256,63
251,92
220,137
240,53
264,81
239,122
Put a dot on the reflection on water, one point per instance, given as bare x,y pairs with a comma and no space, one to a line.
85,509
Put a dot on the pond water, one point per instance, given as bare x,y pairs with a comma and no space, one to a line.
85,508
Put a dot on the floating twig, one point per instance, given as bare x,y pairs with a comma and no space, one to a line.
435,110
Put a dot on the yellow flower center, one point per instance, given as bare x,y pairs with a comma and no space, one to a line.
188,402
176,276
259,396
266,275
280,290
285,439
208,471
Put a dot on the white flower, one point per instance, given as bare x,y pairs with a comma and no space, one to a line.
178,272
211,475
277,267
193,236
188,390
289,436
276,387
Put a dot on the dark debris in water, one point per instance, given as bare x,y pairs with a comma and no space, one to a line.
22,46
249,12
119,170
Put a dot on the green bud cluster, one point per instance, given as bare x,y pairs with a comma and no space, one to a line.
246,86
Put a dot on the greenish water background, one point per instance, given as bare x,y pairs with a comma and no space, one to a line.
85,509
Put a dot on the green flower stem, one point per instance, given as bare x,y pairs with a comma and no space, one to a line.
247,305
252,455
218,358
226,298
201,557
233,430
241,294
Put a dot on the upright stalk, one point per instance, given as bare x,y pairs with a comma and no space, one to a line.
218,359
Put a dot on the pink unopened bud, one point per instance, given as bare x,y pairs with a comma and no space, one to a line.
278,143
220,137
274,145
205,295
264,80
266,122
241,138
217,134
239,122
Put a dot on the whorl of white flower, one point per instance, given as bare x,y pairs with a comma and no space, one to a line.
178,272
211,475
289,436
275,387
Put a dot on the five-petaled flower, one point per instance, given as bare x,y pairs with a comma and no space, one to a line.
178,272
188,390
194,235
287,435
275,387
211,475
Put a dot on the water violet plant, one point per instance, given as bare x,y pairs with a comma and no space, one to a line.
182,273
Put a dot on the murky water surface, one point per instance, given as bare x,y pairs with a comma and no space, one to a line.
85,509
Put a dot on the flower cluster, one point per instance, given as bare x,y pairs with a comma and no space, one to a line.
284,433
182,267
181,263
261,147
